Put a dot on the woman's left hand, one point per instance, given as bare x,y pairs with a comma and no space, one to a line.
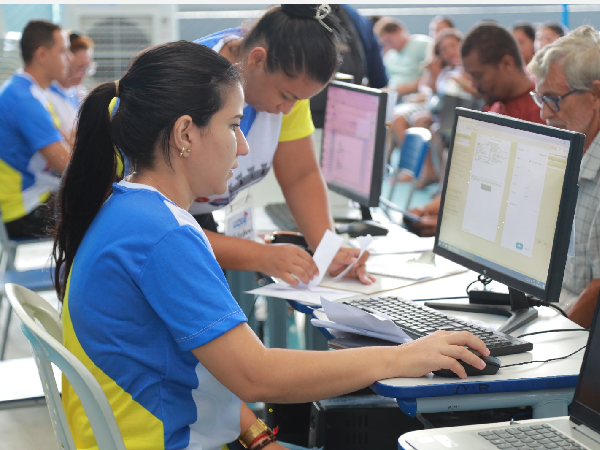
345,257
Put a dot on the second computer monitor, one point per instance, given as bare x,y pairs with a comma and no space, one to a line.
352,157
508,200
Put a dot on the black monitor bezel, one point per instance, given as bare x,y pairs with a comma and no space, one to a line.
566,211
379,151
581,413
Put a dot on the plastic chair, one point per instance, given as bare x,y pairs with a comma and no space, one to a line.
412,155
34,279
46,346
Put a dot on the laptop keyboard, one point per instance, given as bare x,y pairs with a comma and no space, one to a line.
281,216
540,436
418,321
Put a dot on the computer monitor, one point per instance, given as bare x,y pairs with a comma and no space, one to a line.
508,203
354,134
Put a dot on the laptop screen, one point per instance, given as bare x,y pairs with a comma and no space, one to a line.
586,404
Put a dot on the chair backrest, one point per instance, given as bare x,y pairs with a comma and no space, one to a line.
47,348
414,149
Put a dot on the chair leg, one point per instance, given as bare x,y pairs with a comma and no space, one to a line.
5,329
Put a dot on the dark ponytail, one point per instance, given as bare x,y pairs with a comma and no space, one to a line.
87,180
162,84
297,42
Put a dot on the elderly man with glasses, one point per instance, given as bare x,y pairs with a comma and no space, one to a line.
567,74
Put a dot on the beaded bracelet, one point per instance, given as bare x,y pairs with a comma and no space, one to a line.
270,438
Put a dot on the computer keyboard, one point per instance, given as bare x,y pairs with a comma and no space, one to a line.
418,321
534,436
281,216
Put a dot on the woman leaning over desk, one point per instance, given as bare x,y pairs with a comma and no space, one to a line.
146,307
288,56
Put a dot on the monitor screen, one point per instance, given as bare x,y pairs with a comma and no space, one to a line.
352,157
508,200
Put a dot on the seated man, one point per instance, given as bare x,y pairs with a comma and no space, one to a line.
491,57
31,144
567,74
403,54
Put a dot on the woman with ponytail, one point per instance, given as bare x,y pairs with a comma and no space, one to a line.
286,57
146,307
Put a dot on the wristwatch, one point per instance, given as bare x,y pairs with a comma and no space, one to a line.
258,428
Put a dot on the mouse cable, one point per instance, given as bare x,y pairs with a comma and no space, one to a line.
537,302
552,331
545,361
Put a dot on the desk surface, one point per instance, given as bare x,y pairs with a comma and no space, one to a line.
534,376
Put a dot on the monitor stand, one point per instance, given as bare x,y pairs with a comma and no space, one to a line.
363,227
513,305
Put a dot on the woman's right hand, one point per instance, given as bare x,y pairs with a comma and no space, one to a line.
288,262
440,350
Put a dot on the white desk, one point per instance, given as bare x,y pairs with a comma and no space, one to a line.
547,387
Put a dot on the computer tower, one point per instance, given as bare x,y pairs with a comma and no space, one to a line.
358,423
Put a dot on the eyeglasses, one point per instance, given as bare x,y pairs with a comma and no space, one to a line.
551,102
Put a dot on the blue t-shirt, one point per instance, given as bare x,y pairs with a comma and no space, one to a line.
144,290
26,127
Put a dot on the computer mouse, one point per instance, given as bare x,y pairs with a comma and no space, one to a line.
492,365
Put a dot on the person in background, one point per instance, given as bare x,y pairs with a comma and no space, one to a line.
567,74
439,23
491,57
146,307
65,94
278,127
413,110
31,144
404,54
524,33
376,76
547,33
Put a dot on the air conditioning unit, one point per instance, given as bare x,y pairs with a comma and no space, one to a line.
10,55
119,32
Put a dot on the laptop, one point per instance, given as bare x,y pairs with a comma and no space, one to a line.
580,430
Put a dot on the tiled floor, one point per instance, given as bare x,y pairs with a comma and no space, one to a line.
26,428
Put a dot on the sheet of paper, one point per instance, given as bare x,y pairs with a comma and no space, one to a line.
381,283
324,254
363,242
413,266
355,318
310,296
398,240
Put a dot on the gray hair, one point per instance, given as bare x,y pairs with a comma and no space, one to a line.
579,54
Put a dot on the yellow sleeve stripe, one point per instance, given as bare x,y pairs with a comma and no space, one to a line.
298,123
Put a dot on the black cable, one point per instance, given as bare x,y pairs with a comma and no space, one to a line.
547,360
481,279
553,331
536,302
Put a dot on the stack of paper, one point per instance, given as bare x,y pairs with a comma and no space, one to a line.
398,240
413,266
340,318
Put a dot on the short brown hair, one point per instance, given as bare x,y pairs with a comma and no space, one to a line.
37,33
80,42
387,25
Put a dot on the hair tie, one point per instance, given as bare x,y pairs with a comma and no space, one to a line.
322,12
113,106
117,88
